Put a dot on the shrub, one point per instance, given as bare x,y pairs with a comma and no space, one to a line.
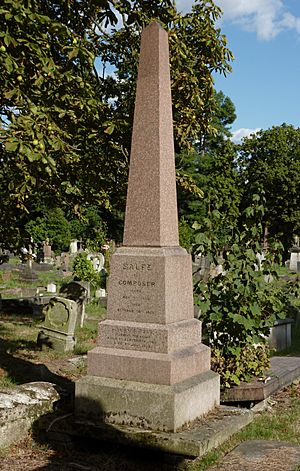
239,305
83,269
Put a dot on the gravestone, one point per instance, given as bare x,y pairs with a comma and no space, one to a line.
78,291
294,258
47,252
28,275
97,260
51,288
150,368
58,329
73,246
65,261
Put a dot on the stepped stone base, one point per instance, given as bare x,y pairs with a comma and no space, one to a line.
148,337
149,367
148,406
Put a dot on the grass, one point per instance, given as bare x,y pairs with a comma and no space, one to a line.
44,278
281,422
21,360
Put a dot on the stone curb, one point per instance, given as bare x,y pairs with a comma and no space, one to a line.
203,436
21,407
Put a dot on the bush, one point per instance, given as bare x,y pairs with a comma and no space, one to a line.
239,305
83,269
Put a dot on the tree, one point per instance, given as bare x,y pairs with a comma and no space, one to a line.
223,116
270,160
65,125
213,169
52,226
197,48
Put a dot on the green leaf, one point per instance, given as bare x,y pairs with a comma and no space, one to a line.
11,146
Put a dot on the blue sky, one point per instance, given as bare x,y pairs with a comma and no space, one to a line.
264,36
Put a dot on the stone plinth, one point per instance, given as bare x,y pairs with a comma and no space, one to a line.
150,342
151,335
149,406
148,367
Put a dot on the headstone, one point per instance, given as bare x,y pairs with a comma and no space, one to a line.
280,337
294,258
6,276
258,455
150,368
58,330
65,261
100,293
47,252
97,260
51,288
74,246
78,291
28,275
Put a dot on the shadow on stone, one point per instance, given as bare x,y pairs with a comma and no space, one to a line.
94,447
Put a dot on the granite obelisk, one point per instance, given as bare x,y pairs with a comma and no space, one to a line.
150,368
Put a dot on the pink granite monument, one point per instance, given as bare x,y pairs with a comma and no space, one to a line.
150,368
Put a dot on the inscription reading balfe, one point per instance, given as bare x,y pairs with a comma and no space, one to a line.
137,266
139,292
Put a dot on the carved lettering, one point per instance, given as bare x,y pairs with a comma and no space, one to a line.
137,266
135,339
137,283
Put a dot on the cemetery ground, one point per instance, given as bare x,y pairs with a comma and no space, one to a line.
21,361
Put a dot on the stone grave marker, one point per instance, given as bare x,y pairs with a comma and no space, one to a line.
294,258
97,260
150,368
58,329
78,291
28,275
74,246
47,252
65,261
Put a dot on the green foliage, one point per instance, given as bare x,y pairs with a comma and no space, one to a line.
240,363
52,226
83,269
185,234
223,115
216,174
65,123
271,159
91,228
240,304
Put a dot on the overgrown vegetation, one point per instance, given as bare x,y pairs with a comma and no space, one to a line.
83,270
240,303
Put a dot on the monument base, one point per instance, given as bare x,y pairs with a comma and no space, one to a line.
58,341
147,406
